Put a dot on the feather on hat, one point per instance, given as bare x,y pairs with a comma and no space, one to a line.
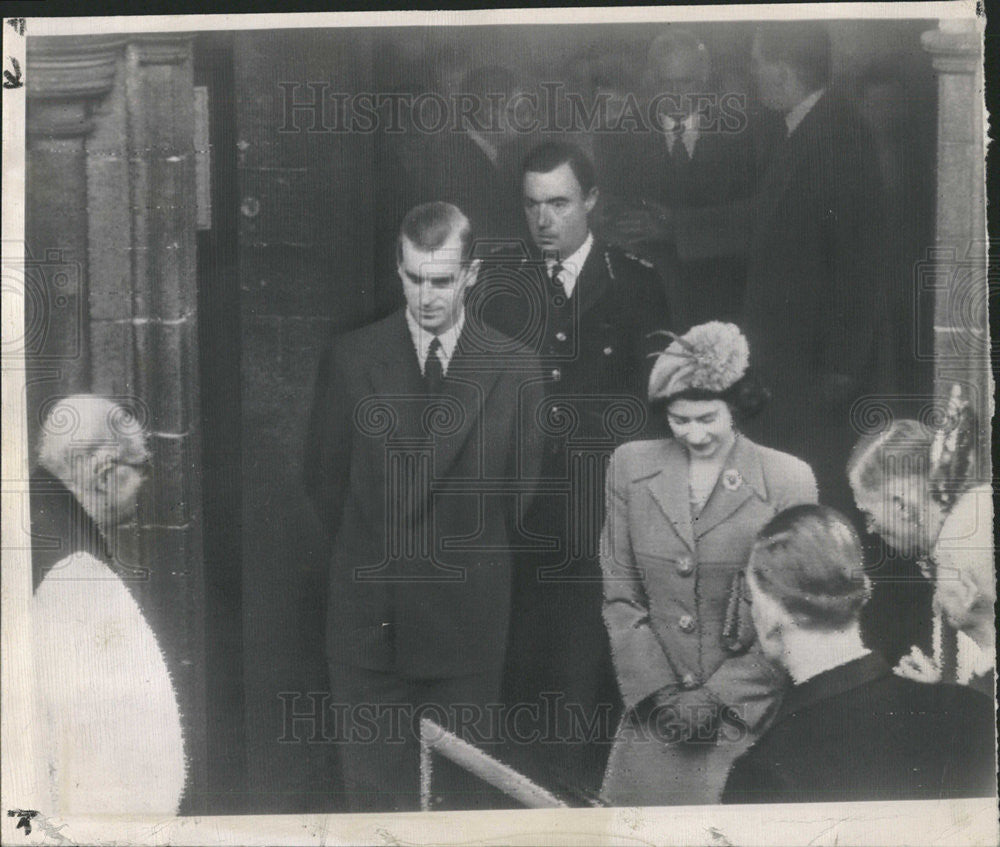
712,356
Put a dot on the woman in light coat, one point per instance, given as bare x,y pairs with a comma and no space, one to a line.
682,515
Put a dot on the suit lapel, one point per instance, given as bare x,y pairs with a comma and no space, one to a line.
741,479
396,373
463,394
669,488
797,146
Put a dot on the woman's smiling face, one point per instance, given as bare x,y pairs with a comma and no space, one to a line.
704,427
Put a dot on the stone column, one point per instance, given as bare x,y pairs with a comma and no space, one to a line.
158,101
958,264
66,79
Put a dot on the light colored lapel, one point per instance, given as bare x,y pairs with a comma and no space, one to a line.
669,489
742,478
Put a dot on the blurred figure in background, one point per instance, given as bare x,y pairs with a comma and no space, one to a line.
813,242
701,149
904,148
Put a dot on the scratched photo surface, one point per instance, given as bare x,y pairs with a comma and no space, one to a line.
494,416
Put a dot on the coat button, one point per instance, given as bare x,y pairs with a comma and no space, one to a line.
608,351
689,681
556,374
560,336
685,566
686,623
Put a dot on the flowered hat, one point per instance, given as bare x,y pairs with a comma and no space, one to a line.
712,357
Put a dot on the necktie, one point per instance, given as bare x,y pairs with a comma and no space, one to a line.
679,153
433,370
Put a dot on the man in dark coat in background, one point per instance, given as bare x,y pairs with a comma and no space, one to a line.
588,310
703,148
815,271
420,459
848,729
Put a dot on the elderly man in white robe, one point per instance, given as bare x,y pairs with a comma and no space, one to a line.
108,726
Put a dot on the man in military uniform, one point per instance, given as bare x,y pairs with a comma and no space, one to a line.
588,311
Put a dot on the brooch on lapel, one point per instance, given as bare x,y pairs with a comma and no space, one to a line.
732,480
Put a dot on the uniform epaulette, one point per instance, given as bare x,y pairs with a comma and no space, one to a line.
644,262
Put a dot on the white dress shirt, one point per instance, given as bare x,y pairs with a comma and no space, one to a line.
422,341
690,136
797,115
572,265
484,144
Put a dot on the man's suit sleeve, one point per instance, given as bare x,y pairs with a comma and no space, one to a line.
857,256
328,443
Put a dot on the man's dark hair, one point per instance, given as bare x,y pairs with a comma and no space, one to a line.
549,155
803,45
430,225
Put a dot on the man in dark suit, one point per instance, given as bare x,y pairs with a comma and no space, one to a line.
848,729
588,310
700,150
419,462
811,236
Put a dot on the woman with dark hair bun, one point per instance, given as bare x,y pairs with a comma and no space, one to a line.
682,515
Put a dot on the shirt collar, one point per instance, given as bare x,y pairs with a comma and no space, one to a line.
484,144
573,264
690,130
796,115
422,339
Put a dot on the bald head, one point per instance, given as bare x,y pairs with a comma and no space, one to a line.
97,448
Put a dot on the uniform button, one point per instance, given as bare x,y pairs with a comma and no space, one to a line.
556,374
560,336
689,681
686,623
608,351
685,566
